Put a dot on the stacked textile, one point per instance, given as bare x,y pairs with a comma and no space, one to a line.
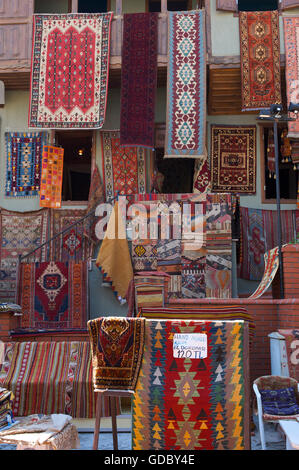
6,415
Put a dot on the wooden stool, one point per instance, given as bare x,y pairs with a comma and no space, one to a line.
113,395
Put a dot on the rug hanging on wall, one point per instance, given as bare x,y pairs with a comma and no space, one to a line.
71,245
138,79
53,294
233,159
51,177
260,59
24,161
188,403
186,85
124,168
291,42
20,233
69,72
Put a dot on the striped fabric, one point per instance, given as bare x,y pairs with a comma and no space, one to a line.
49,377
195,312
150,291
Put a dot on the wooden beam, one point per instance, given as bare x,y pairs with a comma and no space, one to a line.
74,6
163,6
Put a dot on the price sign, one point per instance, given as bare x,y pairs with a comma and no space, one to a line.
192,345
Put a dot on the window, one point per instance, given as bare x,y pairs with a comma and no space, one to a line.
287,174
77,162
257,5
55,6
172,5
93,6
177,173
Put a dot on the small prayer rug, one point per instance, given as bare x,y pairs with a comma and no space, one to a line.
233,159
186,85
291,42
138,79
124,168
24,161
51,177
260,59
117,350
53,294
69,72
183,402
20,233
72,244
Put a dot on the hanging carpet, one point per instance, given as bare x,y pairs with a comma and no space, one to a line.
186,85
20,233
291,42
233,159
51,177
271,261
260,59
53,295
24,162
138,79
291,342
69,72
124,168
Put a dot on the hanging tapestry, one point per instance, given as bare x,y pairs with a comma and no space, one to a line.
24,161
291,342
286,146
260,59
96,197
53,294
233,159
144,255
20,233
186,85
291,43
72,244
124,168
50,377
192,403
259,235
138,79
202,176
69,72
117,350
51,177
271,261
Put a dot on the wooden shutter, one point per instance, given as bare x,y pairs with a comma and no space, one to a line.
287,4
226,5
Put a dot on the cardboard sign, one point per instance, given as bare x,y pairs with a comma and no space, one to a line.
191,346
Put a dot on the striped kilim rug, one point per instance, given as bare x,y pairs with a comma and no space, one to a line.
186,403
49,377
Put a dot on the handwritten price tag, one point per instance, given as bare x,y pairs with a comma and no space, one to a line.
191,346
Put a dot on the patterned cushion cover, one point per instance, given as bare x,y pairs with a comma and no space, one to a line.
279,402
